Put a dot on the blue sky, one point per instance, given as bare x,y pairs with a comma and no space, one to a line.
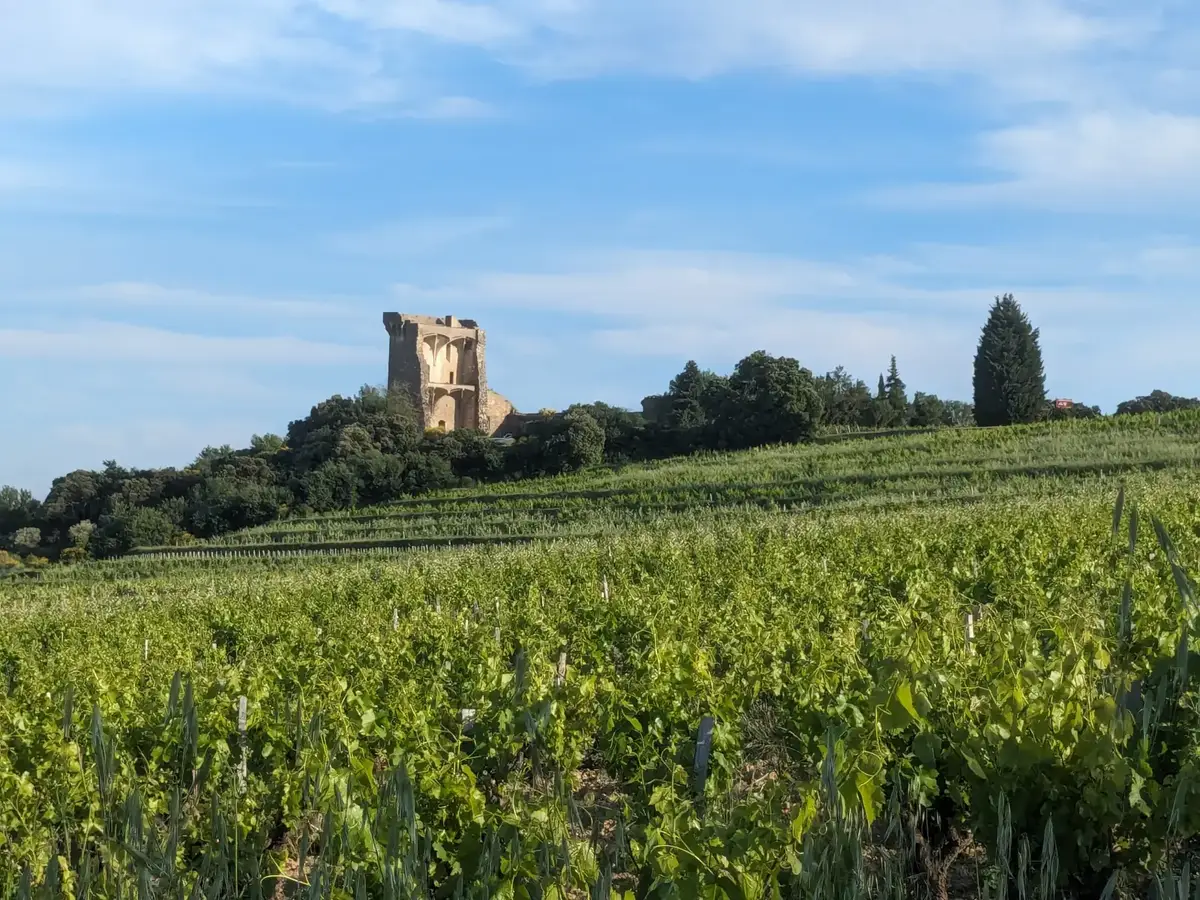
206,205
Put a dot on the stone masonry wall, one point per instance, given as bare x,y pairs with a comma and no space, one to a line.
408,370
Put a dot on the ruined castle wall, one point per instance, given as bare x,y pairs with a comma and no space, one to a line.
405,369
428,355
498,410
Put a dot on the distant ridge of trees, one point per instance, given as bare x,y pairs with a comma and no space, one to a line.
367,449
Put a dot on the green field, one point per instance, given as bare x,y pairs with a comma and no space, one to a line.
952,465
934,665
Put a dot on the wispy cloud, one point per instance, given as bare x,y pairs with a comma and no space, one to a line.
157,297
110,342
710,287
1133,159
369,52
416,237
856,312
699,39
1092,266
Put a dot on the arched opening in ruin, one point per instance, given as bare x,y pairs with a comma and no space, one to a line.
453,407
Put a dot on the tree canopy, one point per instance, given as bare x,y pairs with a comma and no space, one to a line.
1009,380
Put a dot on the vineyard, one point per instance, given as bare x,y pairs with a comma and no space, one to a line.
948,466
947,665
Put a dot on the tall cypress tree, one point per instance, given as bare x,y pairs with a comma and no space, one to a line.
1010,381
897,394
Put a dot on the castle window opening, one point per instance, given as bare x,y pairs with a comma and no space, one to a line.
442,424
452,378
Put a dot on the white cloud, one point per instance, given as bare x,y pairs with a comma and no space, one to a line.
1134,150
646,285
699,38
445,20
111,342
1091,160
268,47
1175,259
681,286
1091,266
366,52
857,312
157,297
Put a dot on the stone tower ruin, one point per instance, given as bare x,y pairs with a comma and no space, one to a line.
441,363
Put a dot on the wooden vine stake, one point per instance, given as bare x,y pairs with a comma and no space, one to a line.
604,587
560,674
970,632
395,619
146,650
241,725
703,749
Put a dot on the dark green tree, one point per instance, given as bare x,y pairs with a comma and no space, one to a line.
128,527
687,409
624,431
471,454
928,410
897,395
18,509
1074,411
772,400
560,443
74,497
344,426
656,408
879,414
227,503
844,400
1010,381
696,397
1157,402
